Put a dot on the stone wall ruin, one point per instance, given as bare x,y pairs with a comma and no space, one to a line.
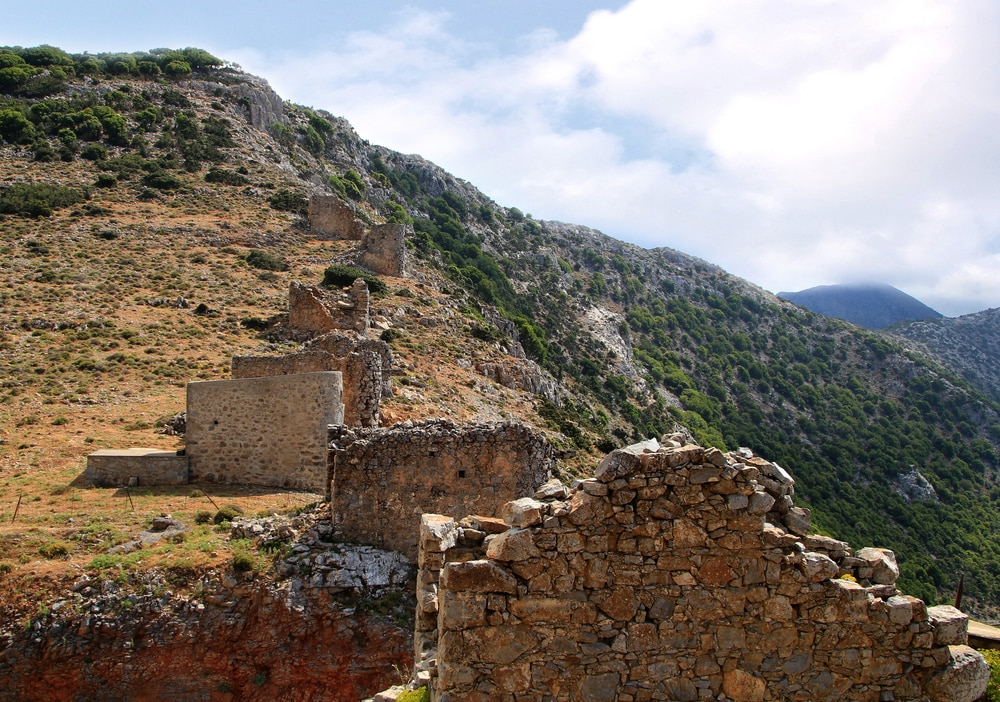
313,310
659,579
330,217
383,250
383,246
365,364
382,479
264,431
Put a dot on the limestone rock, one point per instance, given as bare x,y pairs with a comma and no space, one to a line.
437,533
883,564
742,686
512,545
818,567
477,576
950,625
798,520
524,512
964,679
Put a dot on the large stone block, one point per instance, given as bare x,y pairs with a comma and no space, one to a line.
264,431
139,466
964,679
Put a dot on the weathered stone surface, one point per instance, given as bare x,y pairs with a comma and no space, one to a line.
365,364
600,688
963,680
226,443
817,567
523,512
437,533
388,476
477,576
798,520
741,686
383,250
513,545
951,626
329,216
116,467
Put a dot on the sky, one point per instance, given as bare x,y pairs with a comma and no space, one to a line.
794,143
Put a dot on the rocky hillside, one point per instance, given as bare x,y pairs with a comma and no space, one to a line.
870,306
969,345
153,219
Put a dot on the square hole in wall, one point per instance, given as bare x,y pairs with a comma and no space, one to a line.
461,474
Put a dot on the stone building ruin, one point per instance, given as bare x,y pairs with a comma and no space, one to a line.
383,479
313,311
382,246
666,577
365,364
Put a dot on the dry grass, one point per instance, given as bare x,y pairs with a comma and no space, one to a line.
96,354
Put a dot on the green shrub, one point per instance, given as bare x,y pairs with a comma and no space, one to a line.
242,562
340,276
486,332
37,199
227,513
54,549
993,686
254,323
266,261
202,517
14,126
288,201
162,181
224,176
106,180
421,694
94,152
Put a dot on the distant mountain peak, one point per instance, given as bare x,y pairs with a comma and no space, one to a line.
871,305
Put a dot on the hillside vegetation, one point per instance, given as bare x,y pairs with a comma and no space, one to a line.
152,219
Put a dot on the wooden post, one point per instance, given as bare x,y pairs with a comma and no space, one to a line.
17,508
958,594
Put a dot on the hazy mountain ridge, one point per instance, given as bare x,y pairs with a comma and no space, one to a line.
639,339
873,306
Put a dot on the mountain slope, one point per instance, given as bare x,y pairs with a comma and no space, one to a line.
872,306
146,280
969,345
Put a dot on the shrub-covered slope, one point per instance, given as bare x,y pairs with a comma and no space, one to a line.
152,221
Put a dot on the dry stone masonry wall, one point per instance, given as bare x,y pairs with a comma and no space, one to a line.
383,479
136,466
264,431
366,366
383,250
331,217
314,311
666,577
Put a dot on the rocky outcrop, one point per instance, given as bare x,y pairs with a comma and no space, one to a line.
130,636
263,107
522,374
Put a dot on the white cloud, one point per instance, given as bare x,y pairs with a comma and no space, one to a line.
828,140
